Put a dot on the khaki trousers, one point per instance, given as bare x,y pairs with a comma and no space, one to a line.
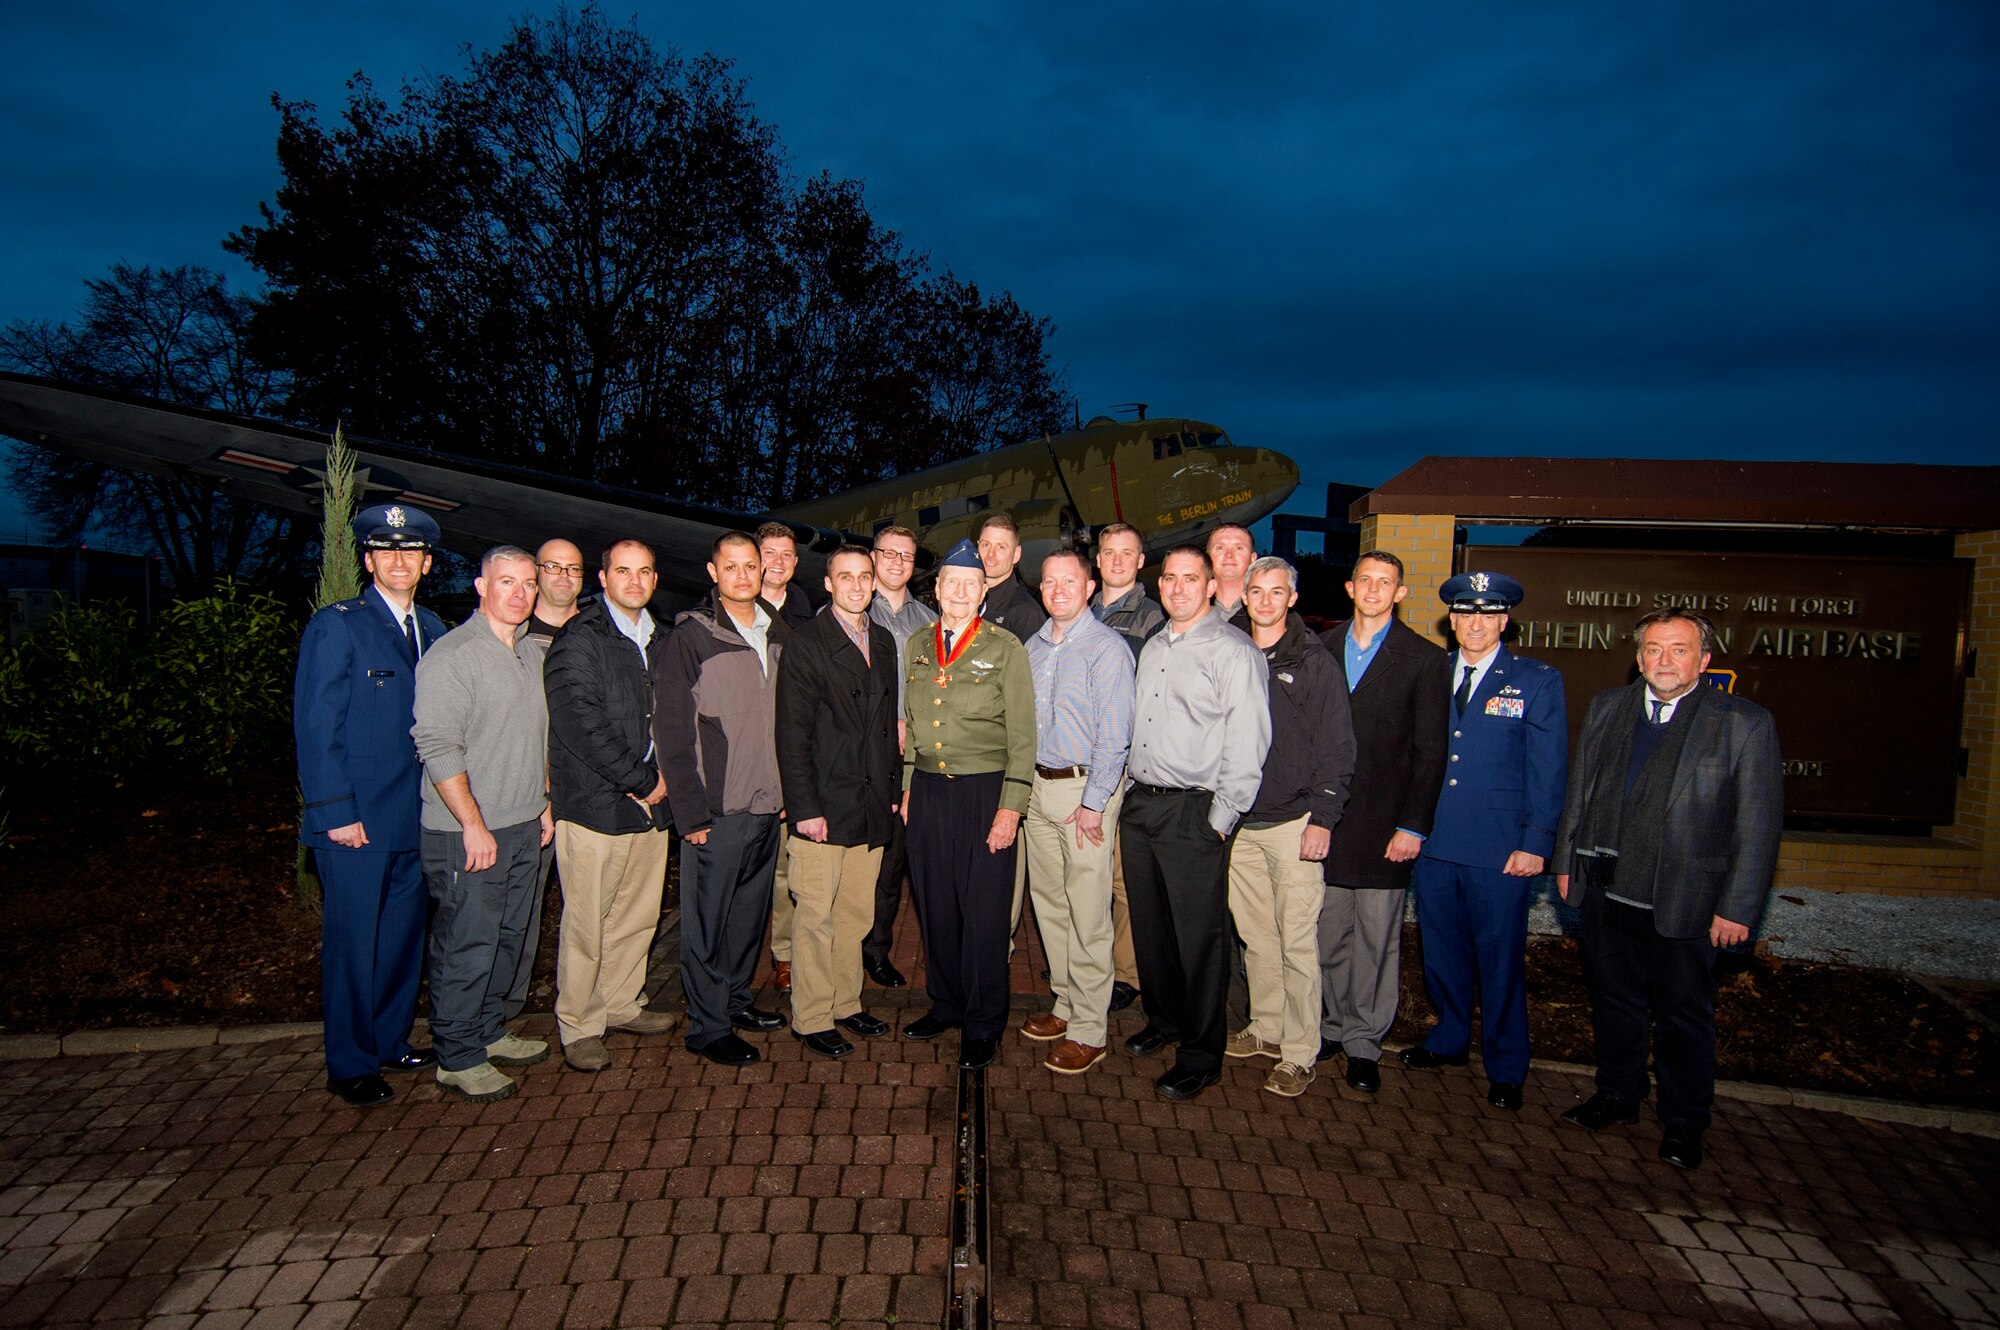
611,889
781,898
1275,898
834,886
1124,961
1072,890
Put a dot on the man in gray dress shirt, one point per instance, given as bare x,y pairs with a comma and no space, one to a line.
1200,733
895,608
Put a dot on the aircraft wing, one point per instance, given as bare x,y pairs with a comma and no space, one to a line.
477,504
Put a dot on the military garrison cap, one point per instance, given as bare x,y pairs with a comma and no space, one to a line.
1470,593
965,554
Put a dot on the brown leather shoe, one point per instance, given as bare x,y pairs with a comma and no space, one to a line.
1045,1025
1069,1057
781,976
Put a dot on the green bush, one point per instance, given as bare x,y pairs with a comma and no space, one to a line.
74,713
89,696
218,679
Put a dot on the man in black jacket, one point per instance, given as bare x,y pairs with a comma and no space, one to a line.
841,772
1397,690
1274,862
778,553
1008,603
1670,828
606,788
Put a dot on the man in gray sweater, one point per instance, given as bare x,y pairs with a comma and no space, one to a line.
482,731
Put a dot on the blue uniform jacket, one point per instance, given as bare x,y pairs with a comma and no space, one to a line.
1508,759
353,703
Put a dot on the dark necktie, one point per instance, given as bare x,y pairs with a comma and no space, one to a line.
1463,697
410,633
1659,712
948,635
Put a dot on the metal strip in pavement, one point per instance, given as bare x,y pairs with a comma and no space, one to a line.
969,1306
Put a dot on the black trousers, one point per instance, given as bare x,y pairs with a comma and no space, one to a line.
881,938
1177,884
1641,984
964,895
725,906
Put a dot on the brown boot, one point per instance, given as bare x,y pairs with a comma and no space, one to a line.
781,976
1045,1025
1069,1057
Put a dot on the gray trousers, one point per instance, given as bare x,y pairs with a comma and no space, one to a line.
725,904
481,938
1360,963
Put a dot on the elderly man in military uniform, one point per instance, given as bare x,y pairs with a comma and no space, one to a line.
969,710
353,702
1495,828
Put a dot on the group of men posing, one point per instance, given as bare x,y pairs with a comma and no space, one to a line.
1193,780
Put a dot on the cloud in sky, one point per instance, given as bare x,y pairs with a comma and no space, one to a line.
1358,233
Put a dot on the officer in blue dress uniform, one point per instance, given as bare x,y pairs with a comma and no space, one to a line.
353,704
1494,831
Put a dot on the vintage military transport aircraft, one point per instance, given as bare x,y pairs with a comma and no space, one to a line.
1173,479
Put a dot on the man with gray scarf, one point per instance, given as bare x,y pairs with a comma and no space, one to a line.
1668,839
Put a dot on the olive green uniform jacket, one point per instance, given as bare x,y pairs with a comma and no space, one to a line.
977,715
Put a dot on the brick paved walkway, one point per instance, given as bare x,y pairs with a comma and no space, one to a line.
1422,1205
223,1187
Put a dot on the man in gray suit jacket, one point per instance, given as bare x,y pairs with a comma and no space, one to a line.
1669,836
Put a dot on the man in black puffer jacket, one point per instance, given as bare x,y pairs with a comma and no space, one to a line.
606,787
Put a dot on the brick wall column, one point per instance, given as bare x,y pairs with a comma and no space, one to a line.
1423,542
1978,823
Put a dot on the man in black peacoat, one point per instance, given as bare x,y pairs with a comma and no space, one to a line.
841,769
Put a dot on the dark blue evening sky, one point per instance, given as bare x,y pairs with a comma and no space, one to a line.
1358,233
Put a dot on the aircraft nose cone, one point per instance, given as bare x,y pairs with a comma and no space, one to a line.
1276,473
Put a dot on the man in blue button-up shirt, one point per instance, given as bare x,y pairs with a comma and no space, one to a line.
1083,729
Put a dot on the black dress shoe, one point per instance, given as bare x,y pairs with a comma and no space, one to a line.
1327,1048
882,972
1364,1074
1181,1083
1422,1059
1681,1148
1601,1111
861,1023
1502,1095
728,1051
1149,1040
414,1060
1123,995
826,1043
756,1018
363,1091
975,1053
928,1026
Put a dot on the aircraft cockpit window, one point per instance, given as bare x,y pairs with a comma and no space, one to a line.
927,517
1165,446
975,503
1212,439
